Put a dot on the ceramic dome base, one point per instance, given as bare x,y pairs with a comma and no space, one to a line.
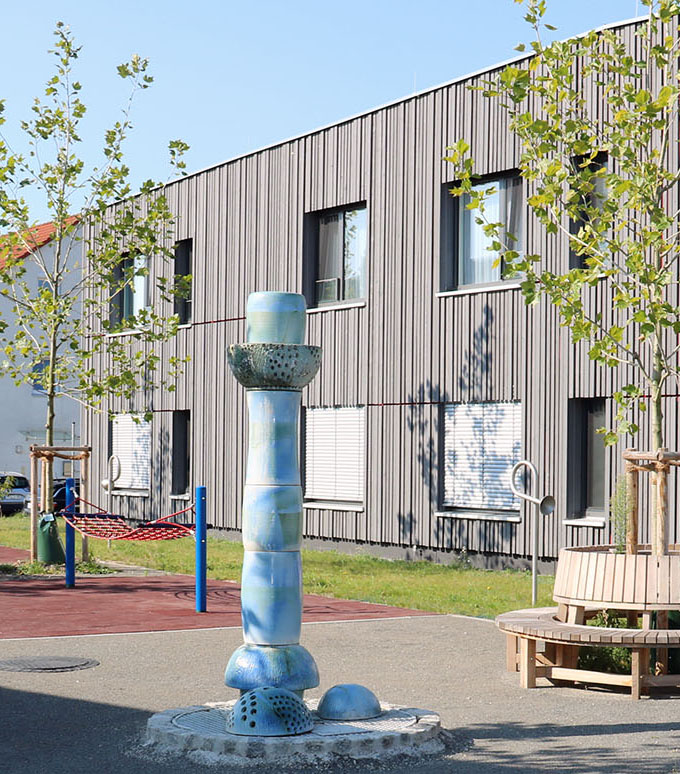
287,666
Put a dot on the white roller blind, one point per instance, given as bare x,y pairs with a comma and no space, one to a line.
132,445
335,454
482,442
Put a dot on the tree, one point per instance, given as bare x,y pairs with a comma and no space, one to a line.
99,256
606,180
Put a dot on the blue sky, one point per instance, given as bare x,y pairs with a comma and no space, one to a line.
232,77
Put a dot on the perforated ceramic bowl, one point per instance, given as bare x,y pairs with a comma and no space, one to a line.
274,366
348,701
269,712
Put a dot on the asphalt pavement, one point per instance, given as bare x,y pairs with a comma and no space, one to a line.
93,720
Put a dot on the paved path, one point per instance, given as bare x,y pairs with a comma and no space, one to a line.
93,720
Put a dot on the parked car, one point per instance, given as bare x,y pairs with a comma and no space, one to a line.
59,493
15,494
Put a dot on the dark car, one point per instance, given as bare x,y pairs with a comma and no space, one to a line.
16,492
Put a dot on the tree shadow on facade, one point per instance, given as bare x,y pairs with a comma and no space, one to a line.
426,420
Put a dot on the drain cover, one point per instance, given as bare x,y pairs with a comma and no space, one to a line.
47,664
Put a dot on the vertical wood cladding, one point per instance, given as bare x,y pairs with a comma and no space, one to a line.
402,353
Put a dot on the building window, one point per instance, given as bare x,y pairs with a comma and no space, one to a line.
132,282
466,251
586,458
591,203
482,443
183,280
131,443
181,451
38,379
335,255
335,454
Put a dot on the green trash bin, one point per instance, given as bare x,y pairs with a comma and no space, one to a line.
50,549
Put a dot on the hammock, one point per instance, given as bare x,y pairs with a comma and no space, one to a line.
111,526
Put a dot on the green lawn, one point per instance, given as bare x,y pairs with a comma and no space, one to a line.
419,585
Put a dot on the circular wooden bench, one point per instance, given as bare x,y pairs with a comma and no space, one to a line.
524,628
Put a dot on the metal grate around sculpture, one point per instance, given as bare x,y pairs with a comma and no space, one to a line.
274,365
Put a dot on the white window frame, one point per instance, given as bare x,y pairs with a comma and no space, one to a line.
482,442
335,456
131,444
500,207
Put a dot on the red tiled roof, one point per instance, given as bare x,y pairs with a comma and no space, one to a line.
37,237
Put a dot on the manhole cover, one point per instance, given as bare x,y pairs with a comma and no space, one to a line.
47,664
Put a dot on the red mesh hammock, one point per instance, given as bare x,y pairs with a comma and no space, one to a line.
111,526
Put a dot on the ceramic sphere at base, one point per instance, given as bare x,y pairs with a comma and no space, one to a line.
269,712
348,701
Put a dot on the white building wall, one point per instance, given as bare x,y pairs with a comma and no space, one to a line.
23,409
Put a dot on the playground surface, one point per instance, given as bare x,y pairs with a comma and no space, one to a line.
131,602
93,720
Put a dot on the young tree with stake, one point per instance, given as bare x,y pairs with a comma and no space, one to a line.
53,331
606,180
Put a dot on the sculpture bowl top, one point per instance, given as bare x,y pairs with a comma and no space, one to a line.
273,317
260,366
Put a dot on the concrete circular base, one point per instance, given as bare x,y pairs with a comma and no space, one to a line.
202,729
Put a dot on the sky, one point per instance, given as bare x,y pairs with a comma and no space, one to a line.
232,77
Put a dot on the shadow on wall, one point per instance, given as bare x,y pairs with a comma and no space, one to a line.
451,475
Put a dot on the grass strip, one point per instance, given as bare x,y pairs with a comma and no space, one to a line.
419,585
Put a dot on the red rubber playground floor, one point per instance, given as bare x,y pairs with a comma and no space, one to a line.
43,607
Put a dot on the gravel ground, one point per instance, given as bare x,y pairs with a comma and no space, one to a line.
93,721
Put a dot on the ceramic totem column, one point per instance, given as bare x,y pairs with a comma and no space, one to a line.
274,365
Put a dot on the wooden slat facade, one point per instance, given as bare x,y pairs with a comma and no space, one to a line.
403,353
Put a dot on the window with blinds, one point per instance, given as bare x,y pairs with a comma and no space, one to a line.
335,454
482,442
131,443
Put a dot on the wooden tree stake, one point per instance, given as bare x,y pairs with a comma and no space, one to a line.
35,472
660,546
632,502
85,494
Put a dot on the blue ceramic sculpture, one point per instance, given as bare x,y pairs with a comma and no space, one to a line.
273,366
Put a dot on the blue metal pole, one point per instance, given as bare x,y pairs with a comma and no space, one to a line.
70,536
201,551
